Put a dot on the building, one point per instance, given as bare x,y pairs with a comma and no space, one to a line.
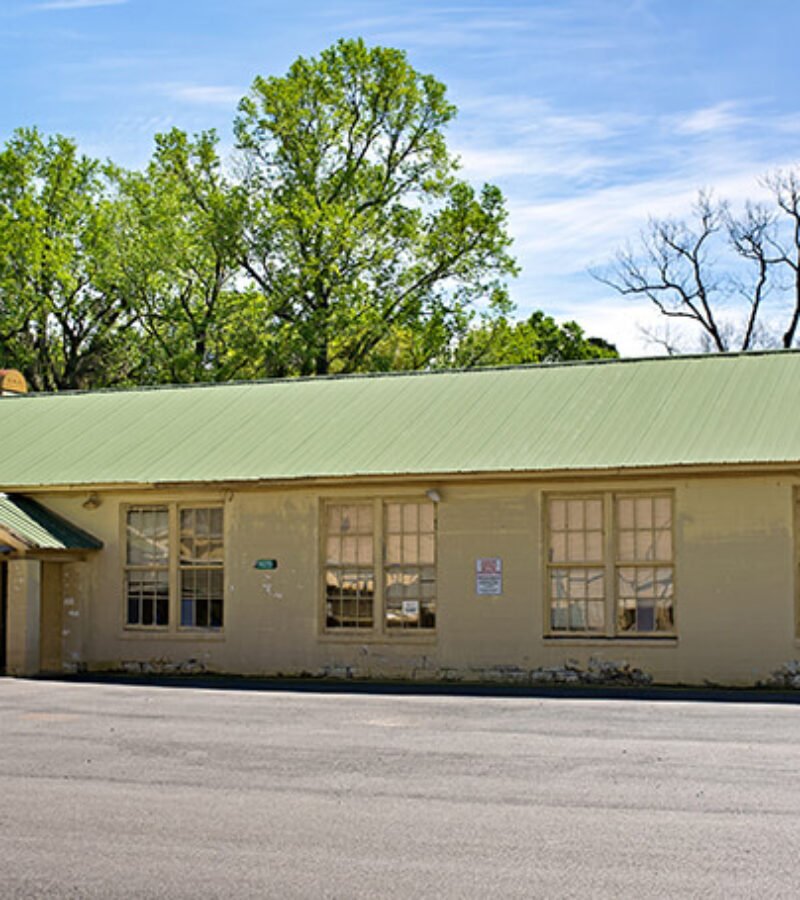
481,524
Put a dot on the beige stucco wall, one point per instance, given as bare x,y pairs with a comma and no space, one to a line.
734,596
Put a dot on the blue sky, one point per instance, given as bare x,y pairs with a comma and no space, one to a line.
590,114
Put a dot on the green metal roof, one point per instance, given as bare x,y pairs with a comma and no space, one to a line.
677,411
40,529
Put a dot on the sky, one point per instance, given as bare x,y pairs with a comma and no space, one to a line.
591,115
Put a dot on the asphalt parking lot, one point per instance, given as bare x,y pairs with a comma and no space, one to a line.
111,790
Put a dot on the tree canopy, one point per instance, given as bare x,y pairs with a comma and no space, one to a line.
357,224
63,313
338,237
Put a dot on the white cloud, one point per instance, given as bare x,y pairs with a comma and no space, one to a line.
78,4
720,117
576,232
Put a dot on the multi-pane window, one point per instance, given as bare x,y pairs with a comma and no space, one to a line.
577,573
410,560
349,573
610,541
644,564
147,566
200,563
380,566
174,557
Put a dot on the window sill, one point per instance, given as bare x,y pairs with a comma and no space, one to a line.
574,640
161,635
372,637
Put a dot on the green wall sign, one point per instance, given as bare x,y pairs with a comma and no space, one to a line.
266,564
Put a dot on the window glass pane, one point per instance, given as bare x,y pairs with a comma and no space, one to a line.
664,619
577,583
216,551
662,512
576,551
594,515
394,519
349,519
558,616
594,545
626,582
645,615
575,515
147,592
664,582
215,522
427,617
215,613
334,519
625,545
394,549
427,548
577,616
663,545
596,615
626,614
426,517
595,583
410,517
147,536
558,583
558,515
365,519
644,545
187,548
558,547
350,550
644,512
202,522
625,513
410,554
645,578
394,586
365,550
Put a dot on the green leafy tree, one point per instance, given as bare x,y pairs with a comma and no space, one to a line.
538,339
63,317
358,232
178,252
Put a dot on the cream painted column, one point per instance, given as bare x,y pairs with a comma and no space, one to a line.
24,616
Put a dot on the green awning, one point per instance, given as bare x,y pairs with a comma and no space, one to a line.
25,522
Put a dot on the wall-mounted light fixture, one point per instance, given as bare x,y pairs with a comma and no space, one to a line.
433,495
92,502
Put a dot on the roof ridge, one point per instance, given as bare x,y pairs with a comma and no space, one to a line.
399,373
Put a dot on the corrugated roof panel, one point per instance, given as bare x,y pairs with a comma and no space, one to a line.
612,414
38,528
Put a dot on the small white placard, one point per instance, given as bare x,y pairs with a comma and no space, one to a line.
489,575
410,607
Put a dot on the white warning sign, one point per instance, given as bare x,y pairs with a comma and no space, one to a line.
489,575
